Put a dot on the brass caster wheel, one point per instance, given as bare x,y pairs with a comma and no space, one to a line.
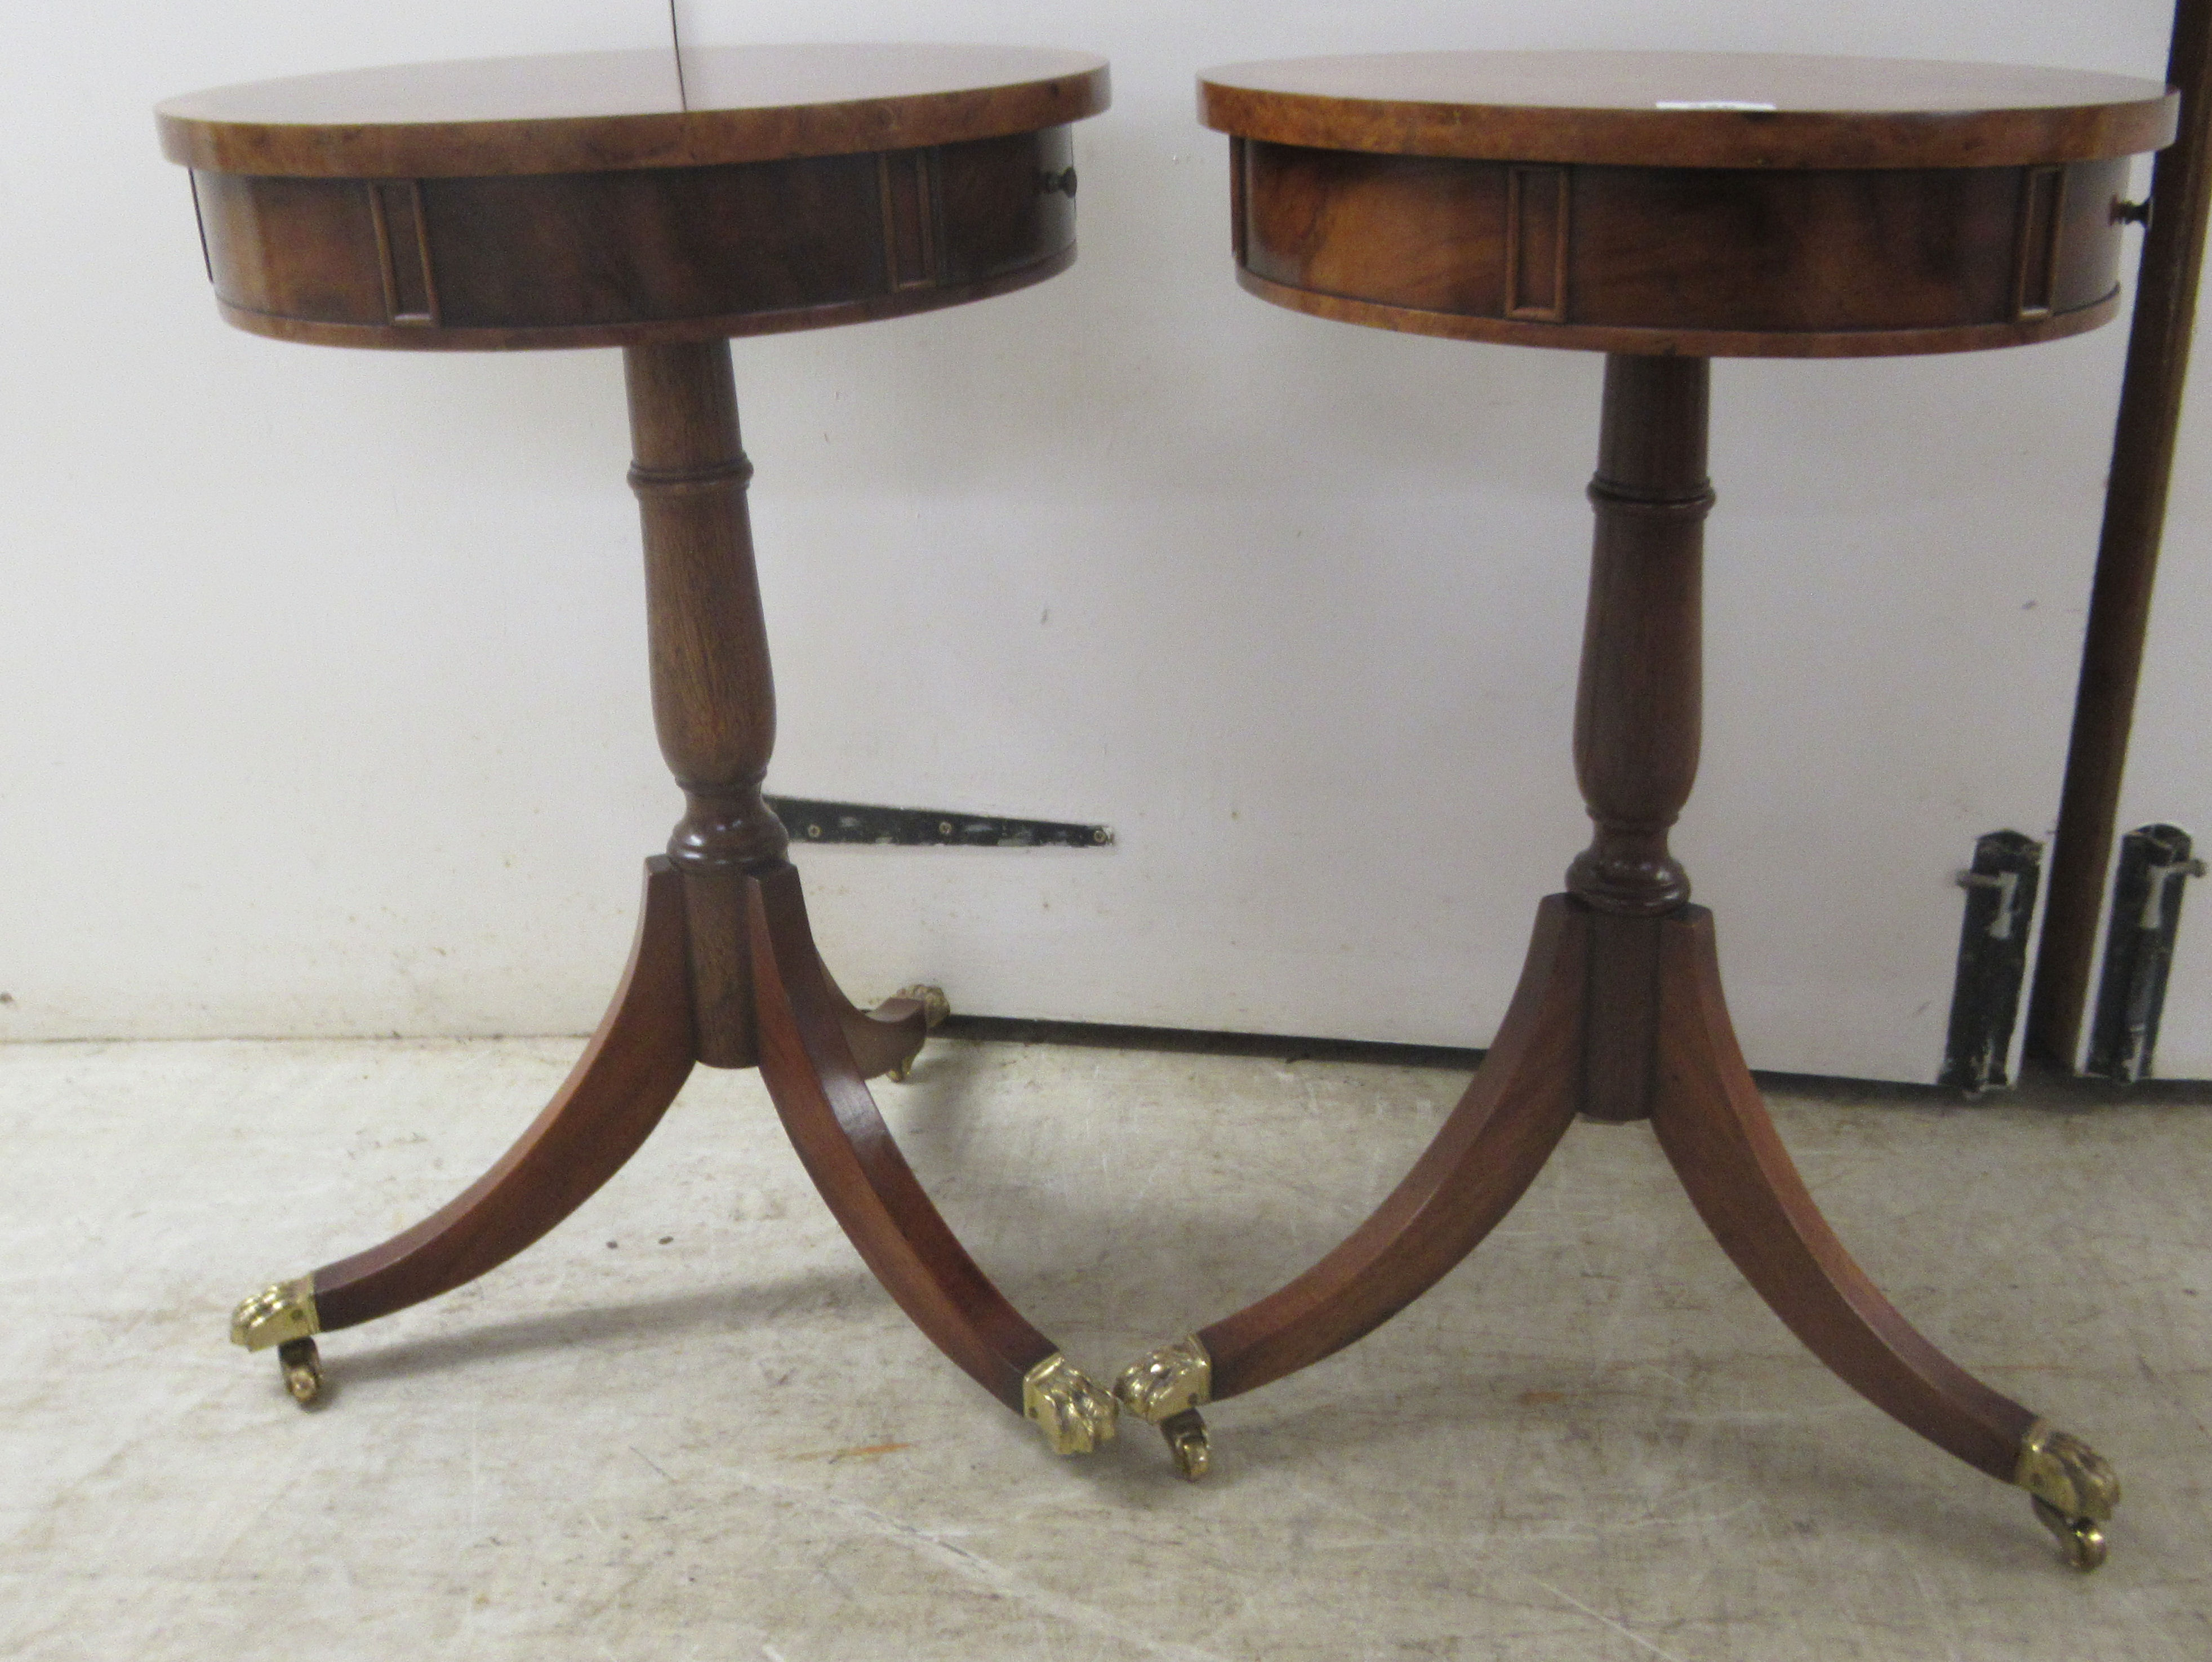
935,1006
1165,1389
2074,1490
2080,1538
1185,1434
303,1370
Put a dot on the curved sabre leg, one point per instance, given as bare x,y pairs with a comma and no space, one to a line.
1519,1104
1716,1132
627,1075
808,1064
885,1040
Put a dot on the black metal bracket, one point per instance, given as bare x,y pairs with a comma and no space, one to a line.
810,821
2146,916
2001,889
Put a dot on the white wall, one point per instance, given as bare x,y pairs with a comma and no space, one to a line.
323,671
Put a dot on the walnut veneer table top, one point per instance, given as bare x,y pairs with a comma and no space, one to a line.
612,198
1643,109
1710,204
595,112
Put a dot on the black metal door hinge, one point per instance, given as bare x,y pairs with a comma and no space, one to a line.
2147,891
809,821
2001,889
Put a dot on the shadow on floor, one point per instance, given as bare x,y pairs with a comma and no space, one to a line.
2040,1086
723,1308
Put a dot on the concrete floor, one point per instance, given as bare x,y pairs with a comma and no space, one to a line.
688,1424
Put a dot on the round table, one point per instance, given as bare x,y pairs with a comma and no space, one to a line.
1664,209
663,203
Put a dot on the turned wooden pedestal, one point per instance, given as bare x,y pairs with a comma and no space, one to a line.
602,200
1665,210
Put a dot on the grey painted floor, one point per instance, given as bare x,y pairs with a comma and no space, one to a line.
688,1424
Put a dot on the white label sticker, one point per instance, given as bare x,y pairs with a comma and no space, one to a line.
1713,104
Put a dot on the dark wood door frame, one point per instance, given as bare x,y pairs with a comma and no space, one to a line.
2127,556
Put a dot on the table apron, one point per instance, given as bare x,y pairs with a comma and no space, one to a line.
1705,261
623,257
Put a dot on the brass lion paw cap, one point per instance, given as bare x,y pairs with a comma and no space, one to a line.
1071,1412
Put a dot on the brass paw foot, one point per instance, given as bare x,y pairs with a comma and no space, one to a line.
276,1314
935,1006
1074,1415
1165,1389
284,1315
2074,1490
303,1370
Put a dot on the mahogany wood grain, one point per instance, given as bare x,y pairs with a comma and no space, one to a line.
601,258
714,696
1620,1019
883,1038
1722,1142
624,1082
847,1150
1708,343
2136,494
1638,703
620,111
1593,107
1519,1104
1802,262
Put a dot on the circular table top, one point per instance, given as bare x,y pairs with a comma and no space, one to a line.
602,111
1690,110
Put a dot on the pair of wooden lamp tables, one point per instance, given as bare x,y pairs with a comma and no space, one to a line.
1663,209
